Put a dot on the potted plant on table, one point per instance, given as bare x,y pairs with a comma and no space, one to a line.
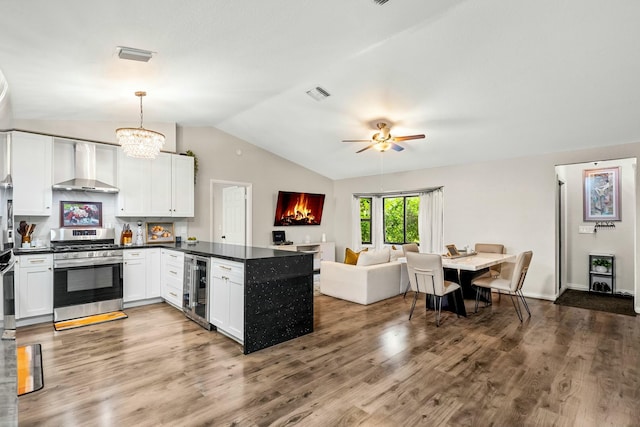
601,265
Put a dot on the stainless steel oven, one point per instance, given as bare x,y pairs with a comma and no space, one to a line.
87,274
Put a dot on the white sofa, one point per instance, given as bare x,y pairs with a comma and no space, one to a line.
362,284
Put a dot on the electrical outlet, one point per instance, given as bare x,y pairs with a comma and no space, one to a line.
585,229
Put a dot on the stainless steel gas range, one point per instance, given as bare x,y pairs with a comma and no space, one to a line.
87,272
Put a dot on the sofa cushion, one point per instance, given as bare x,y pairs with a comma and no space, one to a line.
351,257
373,257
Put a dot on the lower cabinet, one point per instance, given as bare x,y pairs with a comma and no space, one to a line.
172,276
134,275
141,274
34,285
226,299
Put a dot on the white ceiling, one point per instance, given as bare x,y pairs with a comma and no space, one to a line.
482,79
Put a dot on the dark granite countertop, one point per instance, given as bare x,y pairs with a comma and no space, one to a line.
238,253
32,251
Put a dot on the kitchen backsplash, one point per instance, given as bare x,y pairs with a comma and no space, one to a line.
109,220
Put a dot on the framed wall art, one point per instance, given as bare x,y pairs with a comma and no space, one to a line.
80,214
160,232
601,197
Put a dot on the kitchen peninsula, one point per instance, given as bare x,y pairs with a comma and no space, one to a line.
278,291
265,294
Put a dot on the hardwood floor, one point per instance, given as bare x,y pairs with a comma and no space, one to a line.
363,366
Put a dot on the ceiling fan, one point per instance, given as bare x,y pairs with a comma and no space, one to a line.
383,140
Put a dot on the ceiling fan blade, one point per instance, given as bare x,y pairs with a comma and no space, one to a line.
408,137
365,148
356,140
396,147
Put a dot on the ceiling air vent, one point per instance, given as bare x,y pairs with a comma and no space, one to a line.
380,2
318,93
134,54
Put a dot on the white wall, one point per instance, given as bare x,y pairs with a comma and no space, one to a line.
507,201
218,159
618,240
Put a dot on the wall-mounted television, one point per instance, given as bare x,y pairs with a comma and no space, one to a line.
293,208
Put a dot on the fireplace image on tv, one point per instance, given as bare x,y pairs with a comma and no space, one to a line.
294,208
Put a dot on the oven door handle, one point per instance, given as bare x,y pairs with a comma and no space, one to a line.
86,262
9,267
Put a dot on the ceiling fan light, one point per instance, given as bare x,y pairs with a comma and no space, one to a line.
382,146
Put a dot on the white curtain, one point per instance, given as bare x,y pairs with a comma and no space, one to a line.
377,214
430,222
356,233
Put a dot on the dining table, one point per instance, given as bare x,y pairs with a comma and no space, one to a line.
462,269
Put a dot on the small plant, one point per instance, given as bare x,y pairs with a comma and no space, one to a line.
195,164
602,262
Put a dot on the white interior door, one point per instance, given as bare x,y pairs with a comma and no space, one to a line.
233,215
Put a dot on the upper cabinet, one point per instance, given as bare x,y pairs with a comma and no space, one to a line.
32,174
182,199
162,187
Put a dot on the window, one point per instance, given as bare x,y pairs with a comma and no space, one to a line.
365,219
401,219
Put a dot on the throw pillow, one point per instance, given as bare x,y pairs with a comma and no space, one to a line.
351,257
395,254
374,257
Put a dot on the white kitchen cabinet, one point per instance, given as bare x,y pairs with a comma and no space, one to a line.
141,274
155,187
161,186
32,174
134,185
154,288
172,276
182,186
134,275
226,299
33,285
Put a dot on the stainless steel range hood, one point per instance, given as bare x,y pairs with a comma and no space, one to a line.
85,179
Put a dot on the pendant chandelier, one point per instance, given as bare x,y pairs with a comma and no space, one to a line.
140,142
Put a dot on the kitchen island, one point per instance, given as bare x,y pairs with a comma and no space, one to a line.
278,290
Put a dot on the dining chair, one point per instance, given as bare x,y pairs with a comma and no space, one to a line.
492,248
494,271
406,248
510,281
428,278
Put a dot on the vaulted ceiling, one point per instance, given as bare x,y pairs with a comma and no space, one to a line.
482,79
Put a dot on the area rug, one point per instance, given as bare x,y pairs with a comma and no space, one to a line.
89,320
591,301
30,377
